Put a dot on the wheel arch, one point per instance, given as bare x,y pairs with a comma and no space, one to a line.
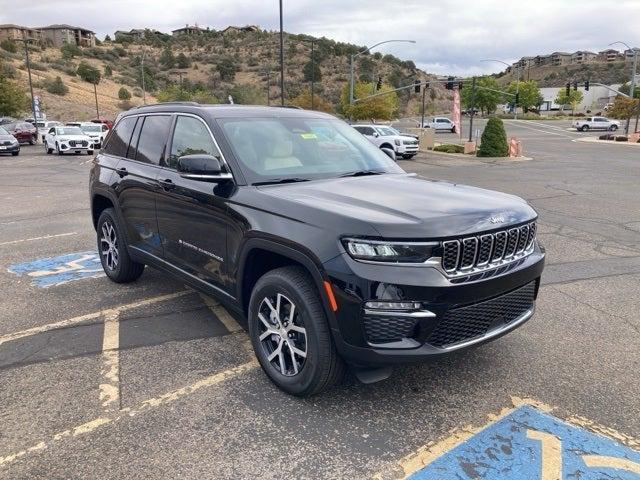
100,201
260,256
387,145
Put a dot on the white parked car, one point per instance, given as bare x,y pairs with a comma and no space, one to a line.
96,132
44,126
440,123
67,140
386,137
596,123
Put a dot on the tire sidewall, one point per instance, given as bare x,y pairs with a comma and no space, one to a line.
269,285
105,216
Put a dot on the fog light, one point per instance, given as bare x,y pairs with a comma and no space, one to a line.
393,305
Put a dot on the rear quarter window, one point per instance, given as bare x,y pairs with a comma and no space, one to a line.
118,141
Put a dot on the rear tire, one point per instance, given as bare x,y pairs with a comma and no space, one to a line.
113,250
15,154
275,296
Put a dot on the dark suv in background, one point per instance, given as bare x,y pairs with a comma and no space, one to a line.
325,248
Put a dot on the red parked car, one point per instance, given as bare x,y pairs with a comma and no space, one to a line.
23,131
104,121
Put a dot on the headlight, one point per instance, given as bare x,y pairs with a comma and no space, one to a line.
394,252
398,142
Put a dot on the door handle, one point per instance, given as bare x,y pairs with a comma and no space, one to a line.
122,172
167,184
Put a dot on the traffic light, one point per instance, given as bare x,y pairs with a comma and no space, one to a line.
586,85
416,86
575,85
568,89
449,85
379,84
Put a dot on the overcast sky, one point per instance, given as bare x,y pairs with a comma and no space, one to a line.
451,36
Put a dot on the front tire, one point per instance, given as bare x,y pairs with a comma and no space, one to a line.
613,128
58,151
15,154
113,251
290,333
585,128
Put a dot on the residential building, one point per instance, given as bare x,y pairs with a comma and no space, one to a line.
523,62
18,32
628,55
246,28
59,35
609,55
137,33
541,60
189,30
583,56
559,58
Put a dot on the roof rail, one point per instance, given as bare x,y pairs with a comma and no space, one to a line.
195,104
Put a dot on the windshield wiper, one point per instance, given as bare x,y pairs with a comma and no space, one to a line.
275,181
362,173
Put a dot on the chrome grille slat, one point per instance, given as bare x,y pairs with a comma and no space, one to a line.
472,254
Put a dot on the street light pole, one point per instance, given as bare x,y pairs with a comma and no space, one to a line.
515,109
633,77
281,58
33,102
95,93
473,107
353,56
144,94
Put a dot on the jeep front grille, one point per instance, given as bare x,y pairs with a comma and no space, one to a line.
476,253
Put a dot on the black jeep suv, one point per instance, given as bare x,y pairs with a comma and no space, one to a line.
325,247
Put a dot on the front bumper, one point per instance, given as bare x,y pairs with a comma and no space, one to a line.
66,147
10,148
454,316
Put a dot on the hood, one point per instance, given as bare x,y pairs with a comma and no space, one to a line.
4,138
80,138
408,206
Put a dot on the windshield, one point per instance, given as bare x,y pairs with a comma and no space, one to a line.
386,131
301,148
3,131
91,128
69,131
41,124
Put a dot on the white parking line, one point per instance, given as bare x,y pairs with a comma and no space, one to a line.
110,388
32,239
529,127
89,316
151,403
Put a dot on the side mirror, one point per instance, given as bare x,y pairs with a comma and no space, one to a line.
202,167
376,134
390,153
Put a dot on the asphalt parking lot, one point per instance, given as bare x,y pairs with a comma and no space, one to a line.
152,380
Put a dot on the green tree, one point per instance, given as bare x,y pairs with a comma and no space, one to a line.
485,100
182,61
312,71
173,93
108,71
626,88
107,38
9,46
124,94
57,87
13,99
529,94
381,107
149,78
573,99
624,107
70,50
227,69
88,73
248,94
167,58
303,100
494,140
202,96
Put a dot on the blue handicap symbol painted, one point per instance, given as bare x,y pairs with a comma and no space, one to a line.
529,444
47,272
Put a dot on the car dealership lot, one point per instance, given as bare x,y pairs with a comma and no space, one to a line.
152,380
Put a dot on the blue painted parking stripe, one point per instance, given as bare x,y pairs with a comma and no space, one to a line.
52,271
529,444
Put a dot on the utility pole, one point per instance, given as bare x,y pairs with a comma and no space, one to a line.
144,93
33,102
313,73
424,99
95,92
473,107
268,87
281,58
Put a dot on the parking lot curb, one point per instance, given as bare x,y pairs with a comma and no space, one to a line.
605,142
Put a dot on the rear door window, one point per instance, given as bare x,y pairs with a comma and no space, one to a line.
153,138
119,138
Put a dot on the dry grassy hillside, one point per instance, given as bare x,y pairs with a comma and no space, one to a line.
241,64
558,76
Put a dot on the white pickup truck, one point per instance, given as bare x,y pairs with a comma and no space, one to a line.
596,123
386,137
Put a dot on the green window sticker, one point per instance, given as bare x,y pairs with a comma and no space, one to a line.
308,136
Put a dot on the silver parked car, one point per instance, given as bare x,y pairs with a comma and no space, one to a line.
596,123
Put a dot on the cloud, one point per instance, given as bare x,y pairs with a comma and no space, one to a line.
452,36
